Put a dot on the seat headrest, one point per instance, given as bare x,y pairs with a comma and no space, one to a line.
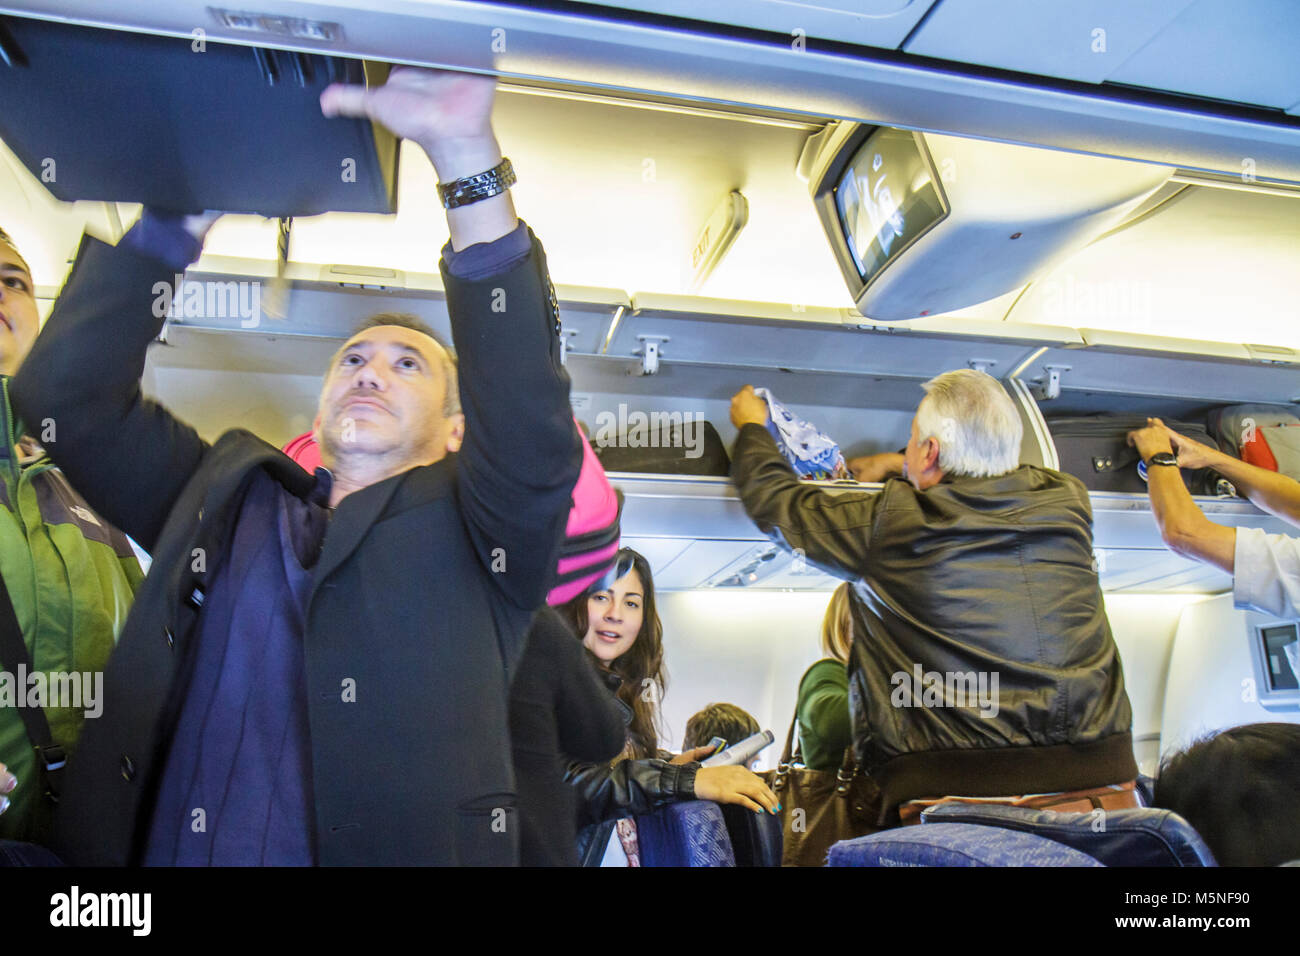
1135,837
955,844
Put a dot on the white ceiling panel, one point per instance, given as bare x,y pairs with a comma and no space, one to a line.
880,23
1214,264
1074,41
1244,53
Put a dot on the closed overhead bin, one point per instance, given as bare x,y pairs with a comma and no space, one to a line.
185,124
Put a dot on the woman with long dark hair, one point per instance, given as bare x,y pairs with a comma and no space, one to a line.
621,628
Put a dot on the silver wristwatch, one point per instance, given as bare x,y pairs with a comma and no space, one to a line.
462,192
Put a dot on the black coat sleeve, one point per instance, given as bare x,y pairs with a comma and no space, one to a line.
556,682
629,787
128,456
521,454
587,717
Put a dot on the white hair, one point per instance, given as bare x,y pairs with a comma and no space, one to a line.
972,417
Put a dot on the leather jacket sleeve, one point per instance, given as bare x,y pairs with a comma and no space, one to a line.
629,787
832,531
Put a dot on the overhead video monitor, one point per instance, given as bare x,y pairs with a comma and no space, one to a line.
1279,646
1275,647
876,197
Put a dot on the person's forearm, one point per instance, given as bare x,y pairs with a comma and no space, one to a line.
487,219
1183,526
127,455
634,787
1267,490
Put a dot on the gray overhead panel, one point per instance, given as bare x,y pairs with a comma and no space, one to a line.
764,335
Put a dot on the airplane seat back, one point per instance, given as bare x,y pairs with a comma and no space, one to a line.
955,844
757,839
1134,837
687,833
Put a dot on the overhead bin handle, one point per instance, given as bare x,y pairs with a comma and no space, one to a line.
11,54
266,65
302,69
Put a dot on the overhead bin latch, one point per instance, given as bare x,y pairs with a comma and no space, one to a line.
649,352
1051,386
565,344
981,365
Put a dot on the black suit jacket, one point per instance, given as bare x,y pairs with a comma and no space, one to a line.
421,598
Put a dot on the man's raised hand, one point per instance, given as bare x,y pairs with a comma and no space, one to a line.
446,112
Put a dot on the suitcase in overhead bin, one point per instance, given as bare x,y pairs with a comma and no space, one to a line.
655,447
188,124
1263,435
1095,449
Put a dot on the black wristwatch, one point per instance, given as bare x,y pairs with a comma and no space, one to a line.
1162,458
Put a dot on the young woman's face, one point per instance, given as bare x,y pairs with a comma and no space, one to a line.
614,618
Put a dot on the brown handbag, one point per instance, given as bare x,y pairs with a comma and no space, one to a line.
821,807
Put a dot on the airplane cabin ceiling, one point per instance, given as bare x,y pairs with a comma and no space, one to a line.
1217,49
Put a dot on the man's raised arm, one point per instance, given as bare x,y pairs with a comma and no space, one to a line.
521,453
830,531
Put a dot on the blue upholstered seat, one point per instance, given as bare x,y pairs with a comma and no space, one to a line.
756,838
955,844
1138,837
689,833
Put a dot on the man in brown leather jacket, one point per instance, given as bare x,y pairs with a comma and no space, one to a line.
983,663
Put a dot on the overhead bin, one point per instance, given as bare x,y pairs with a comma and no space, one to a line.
188,125
1118,367
697,535
325,304
783,336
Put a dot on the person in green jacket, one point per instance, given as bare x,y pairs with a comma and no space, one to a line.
70,577
823,708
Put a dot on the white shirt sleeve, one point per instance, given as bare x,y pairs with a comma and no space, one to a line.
1266,573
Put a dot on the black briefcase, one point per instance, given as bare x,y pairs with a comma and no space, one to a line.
1095,449
187,124
685,448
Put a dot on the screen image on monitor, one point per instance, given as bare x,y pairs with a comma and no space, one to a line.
1281,656
885,198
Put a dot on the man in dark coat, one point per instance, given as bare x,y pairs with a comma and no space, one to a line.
316,668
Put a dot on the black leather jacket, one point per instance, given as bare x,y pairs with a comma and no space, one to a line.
629,787
973,579
607,791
